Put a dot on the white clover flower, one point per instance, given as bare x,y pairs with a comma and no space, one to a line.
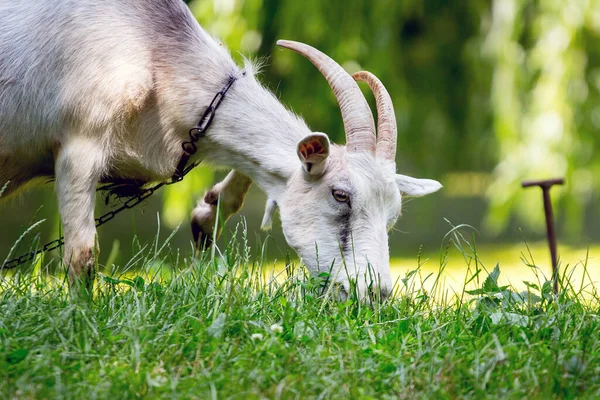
276,328
256,336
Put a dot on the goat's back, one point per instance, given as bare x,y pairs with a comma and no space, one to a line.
77,66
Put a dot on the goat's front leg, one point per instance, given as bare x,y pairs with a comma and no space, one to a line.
78,167
229,196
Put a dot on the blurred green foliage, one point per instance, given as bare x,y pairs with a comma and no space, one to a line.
507,87
545,92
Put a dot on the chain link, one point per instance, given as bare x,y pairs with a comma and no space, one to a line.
189,149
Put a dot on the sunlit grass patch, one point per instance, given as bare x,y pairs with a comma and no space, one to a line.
519,263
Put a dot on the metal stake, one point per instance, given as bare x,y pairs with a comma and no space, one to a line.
550,232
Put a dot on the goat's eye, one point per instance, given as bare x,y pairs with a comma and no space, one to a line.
340,195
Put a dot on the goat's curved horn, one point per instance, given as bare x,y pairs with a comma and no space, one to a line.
387,132
356,114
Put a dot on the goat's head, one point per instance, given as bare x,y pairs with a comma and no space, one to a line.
342,201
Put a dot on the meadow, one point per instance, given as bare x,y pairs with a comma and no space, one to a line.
230,325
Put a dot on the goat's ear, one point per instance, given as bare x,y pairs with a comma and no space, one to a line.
313,151
416,187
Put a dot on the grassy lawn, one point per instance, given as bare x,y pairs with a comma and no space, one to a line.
580,265
221,327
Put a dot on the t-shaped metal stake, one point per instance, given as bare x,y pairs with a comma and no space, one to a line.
551,234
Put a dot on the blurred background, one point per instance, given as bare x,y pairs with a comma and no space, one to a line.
486,93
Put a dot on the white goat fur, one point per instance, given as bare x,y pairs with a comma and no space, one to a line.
105,90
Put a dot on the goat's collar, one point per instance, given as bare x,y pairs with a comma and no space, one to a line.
189,147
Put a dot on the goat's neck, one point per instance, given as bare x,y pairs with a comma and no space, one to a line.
256,135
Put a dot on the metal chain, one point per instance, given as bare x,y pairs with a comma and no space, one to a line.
197,132
189,149
103,219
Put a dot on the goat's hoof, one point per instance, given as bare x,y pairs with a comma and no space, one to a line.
203,222
202,240
82,273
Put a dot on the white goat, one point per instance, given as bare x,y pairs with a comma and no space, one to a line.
107,90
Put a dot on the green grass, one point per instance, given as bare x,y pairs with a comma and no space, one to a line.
221,327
